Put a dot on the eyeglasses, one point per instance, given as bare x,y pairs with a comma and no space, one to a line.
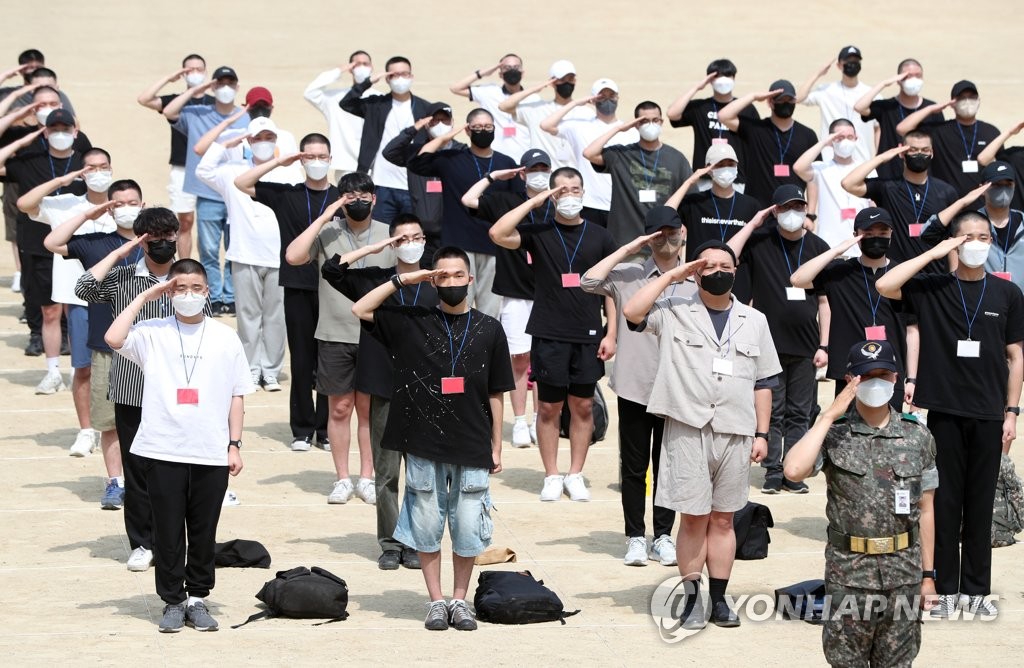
481,128
194,289
411,240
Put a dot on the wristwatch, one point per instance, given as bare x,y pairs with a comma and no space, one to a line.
910,381
237,443
1013,409
761,434
490,179
823,348
929,574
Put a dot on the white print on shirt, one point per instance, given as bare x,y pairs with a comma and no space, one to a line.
706,220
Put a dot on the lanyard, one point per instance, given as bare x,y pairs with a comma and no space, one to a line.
566,248
963,138
353,239
971,318
451,339
547,208
195,359
778,140
53,170
732,205
309,206
872,304
717,122
924,200
416,298
799,255
649,181
476,163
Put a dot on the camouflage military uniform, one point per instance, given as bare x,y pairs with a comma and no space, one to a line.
863,468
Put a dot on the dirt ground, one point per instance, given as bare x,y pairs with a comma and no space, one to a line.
67,596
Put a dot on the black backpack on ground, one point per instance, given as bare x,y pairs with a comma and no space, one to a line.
751,525
304,593
241,553
803,600
600,418
511,597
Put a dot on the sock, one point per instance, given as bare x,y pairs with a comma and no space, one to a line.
716,588
691,599
520,418
52,364
192,600
453,601
120,480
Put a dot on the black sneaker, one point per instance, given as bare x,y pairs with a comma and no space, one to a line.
437,616
173,619
771,486
794,487
410,558
217,308
23,318
389,560
228,309
35,346
65,349
722,615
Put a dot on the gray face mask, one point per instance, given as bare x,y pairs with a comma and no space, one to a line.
606,107
999,196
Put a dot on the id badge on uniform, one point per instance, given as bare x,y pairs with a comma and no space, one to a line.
434,186
648,196
1005,275
915,229
781,170
188,395
570,280
848,213
968,348
453,385
509,131
902,501
874,333
796,294
722,366
969,166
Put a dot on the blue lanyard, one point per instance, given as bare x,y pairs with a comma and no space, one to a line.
547,208
566,248
476,163
924,200
732,205
799,255
401,296
309,205
649,181
963,138
451,339
971,318
53,170
778,140
873,304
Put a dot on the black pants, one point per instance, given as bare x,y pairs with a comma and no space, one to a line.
967,454
187,499
37,285
639,445
897,394
138,509
792,400
301,312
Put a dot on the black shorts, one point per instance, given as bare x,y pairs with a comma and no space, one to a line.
562,364
37,279
336,367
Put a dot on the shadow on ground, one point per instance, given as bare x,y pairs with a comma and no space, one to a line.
310,481
607,543
87,488
392,604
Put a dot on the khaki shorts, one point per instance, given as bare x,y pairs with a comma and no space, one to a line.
101,409
702,471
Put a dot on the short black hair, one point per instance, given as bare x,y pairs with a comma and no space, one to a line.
445,252
715,244
965,217
186,265
314,138
122,185
156,221
917,134
359,52
97,149
396,59
31,56
644,106
355,182
838,123
477,112
564,171
42,73
193,56
404,219
908,61
41,89
723,66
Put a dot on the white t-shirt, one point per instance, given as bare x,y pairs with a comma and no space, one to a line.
388,174
210,355
833,200
532,114
54,211
344,129
597,188
836,101
510,137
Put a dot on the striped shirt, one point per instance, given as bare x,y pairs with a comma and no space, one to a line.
119,288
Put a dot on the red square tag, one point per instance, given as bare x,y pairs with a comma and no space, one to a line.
453,385
719,140
875,333
915,229
529,258
188,395
848,214
570,280
433,186
781,170
509,131
1005,275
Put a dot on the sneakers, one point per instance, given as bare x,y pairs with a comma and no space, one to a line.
51,383
35,345
979,605
140,560
324,442
552,490
367,491
216,308
771,486
521,434
228,309
946,607
341,492
460,617
389,560
198,617
302,444
270,384
437,616
257,379
794,487
113,499
230,499
533,429
173,619
16,282
576,488
84,443
411,558
665,550
636,551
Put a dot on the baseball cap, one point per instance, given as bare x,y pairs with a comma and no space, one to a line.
848,51
661,216
60,117
870,355
535,156
994,171
788,193
716,244
262,124
786,86
224,71
561,68
961,86
601,84
438,107
719,152
257,95
872,215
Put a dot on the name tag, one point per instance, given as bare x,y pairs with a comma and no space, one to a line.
1005,275
848,214
188,395
453,385
647,196
781,170
722,366
796,294
874,333
915,229
434,186
968,348
719,140
969,166
509,131
902,501
570,280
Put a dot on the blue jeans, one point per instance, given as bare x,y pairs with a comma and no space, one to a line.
390,203
212,225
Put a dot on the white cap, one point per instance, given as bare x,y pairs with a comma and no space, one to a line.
561,68
601,84
261,124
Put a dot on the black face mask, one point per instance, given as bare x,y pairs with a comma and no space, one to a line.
565,90
162,251
717,283
784,109
512,77
482,138
453,295
358,210
606,107
918,162
874,247
851,68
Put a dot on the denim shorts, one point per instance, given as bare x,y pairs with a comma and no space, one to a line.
435,492
78,336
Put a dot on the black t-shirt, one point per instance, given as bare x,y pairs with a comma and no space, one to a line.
179,140
296,207
374,370
707,217
765,146
565,314
90,249
973,387
459,170
953,143
702,116
849,286
423,421
910,204
513,275
889,113
772,260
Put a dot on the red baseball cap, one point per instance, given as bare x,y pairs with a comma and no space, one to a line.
257,95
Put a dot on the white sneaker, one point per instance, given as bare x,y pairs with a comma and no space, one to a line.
533,429
84,443
576,488
341,492
819,374
16,282
51,383
636,551
140,560
230,499
270,384
521,434
367,491
301,444
665,550
256,379
979,605
552,488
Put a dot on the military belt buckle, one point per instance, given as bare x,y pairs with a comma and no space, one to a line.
879,545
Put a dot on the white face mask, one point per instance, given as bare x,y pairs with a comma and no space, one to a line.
43,113
974,253
844,147
569,206
193,79
912,85
400,85
61,141
361,73
188,304
125,216
875,392
263,150
316,169
411,252
98,182
225,94
723,85
538,181
791,221
439,130
650,131
967,107
724,176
